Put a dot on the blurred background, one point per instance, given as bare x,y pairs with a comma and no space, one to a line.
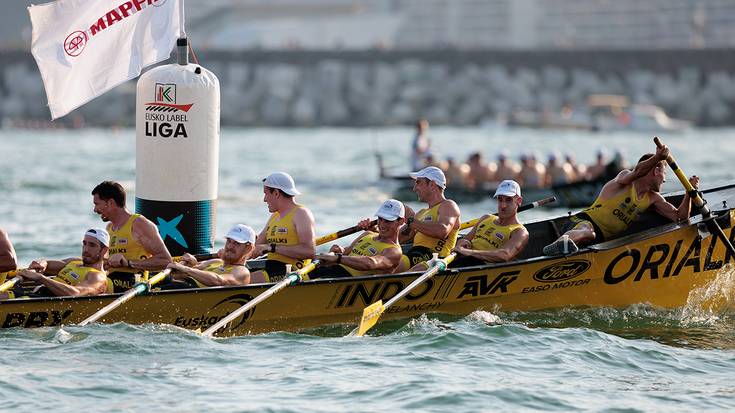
583,64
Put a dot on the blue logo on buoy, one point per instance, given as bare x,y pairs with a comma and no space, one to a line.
168,229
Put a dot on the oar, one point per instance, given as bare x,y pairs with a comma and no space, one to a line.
138,289
339,234
10,283
697,200
372,313
290,279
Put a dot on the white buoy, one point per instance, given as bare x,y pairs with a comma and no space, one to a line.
177,118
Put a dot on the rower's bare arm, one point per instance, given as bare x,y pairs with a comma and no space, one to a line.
8,260
50,267
642,168
94,284
447,220
471,235
147,234
306,248
515,245
239,276
667,210
388,260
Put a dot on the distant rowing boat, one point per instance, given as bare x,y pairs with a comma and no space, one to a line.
658,263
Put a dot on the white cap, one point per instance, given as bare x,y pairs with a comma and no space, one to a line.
241,233
431,173
100,235
508,188
282,181
391,210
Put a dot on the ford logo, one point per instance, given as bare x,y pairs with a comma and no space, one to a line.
561,271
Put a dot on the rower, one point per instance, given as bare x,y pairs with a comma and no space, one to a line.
8,260
74,276
228,270
620,203
288,237
372,252
433,229
533,172
507,169
135,244
495,238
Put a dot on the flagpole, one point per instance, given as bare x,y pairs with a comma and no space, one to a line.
182,30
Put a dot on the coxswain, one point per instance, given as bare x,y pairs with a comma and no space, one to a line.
433,229
370,253
288,237
228,270
621,201
73,276
495,238
135,244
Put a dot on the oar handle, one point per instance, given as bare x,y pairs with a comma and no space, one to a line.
342,233
199,257
7,285
690,190
290,279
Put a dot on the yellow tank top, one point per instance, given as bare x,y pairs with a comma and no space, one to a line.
615,215
490,235
368,246
74,273
282,231
441,246
217,267
122,242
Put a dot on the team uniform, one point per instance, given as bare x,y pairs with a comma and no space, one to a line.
217,267
73,273
489,236
425,246
281,231
367,246
122,242
612,217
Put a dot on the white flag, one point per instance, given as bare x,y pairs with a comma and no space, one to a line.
84,48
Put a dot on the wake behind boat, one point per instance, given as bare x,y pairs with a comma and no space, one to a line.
656,262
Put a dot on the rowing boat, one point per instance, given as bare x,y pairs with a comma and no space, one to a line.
657,263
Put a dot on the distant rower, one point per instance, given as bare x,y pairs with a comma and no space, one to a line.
135,244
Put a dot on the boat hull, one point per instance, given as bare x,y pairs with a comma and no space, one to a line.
660,267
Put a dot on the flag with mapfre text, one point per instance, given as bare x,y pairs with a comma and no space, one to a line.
84,48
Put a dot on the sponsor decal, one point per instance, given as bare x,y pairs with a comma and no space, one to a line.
74,275
164,117
478,285
36,319
363,294
373,250
554,286
500,235
218,312
561,271
664,261
77,40
119,241
282,230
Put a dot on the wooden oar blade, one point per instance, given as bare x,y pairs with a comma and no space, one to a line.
370,316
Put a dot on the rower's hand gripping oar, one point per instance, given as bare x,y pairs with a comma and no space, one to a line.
697,199
290,279
540,202
138,289
7,285
372,313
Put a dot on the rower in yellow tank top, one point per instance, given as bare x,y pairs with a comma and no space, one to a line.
442,246
281,231
490,235
615,215
122,242
367,246
75,273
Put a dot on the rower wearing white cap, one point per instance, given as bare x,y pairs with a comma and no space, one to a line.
495,238
371,253
74,276
288,237
433,229
228,270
